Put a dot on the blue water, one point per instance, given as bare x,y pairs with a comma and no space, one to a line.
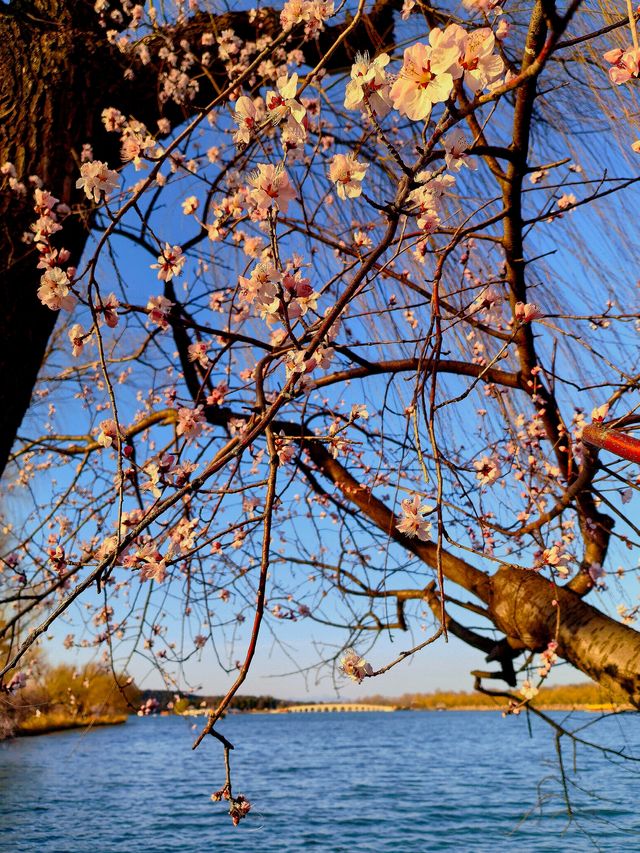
342,783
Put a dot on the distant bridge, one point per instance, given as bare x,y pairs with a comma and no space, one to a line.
325,707
329,707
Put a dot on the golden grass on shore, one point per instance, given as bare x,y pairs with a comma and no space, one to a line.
58,722
586,696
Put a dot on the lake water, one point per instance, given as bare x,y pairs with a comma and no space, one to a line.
469,782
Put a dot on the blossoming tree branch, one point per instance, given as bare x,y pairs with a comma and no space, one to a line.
323,316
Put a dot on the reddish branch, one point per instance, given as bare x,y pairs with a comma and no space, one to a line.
606,438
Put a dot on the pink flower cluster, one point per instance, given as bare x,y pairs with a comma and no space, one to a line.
170,263
275,294
55,284
311,13
96,179
158,310
355,667
271,187
429,70
525,312
347,173
625,64
413,521
151,706
239,806
190,422
487,470
428,197
528,690
549,658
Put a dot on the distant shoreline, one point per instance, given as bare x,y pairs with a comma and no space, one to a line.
335,708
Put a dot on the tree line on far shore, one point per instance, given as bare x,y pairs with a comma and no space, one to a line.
580,695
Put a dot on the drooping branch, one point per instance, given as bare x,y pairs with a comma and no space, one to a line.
595,526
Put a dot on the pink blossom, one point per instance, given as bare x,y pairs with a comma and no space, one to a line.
313,13
487,470
525,312
77,336
283,103
271,186
246,118
109,310
44,202
549,658
190,422
502,30
455,147
96,178
153,570
355,667
413,522
625,64
369,84
483,7
261,288
54,290
198,352
477,64
407,9
556,558
113,119
108,432
424,79
217,396
45,226
284,448
528,690
567,200
359,410
347,173
158,309
294,12
170,262
152,484
189,205
538,175
600,413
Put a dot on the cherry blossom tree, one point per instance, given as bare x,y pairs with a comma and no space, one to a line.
333,316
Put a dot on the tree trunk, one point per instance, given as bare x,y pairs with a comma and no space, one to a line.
49,107
522,605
